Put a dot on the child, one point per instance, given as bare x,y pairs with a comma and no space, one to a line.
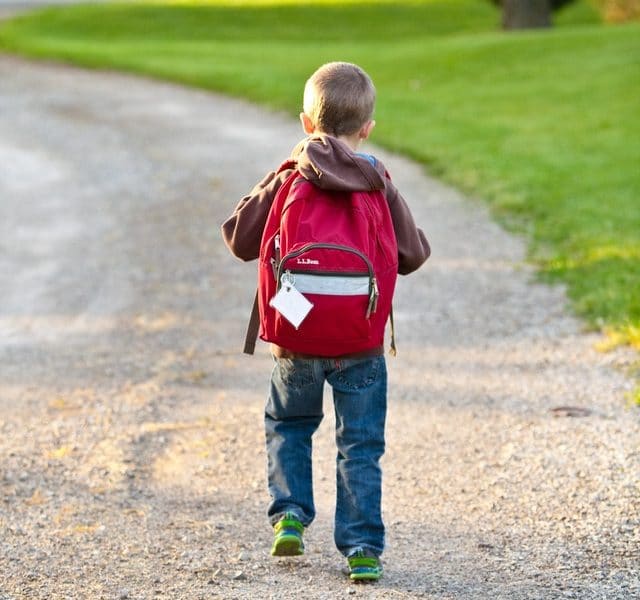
338,108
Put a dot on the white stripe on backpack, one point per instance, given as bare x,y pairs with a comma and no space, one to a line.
331,285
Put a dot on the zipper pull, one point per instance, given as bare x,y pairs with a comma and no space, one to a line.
373,298
275,261
276,243
287,279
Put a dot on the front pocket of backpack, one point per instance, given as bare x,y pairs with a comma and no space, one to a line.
339,282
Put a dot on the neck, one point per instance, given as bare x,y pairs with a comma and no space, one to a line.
353,141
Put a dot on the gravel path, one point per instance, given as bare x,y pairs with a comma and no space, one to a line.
131,426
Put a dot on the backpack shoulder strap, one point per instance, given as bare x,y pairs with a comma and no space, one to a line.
252,328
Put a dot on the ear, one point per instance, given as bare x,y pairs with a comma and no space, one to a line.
366,129
307,124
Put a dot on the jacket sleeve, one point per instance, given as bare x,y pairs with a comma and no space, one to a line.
413,247
242,231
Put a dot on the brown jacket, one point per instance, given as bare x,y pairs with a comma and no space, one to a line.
330,164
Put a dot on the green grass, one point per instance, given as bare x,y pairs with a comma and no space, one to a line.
543,125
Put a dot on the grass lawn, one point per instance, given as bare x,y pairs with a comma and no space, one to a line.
544,125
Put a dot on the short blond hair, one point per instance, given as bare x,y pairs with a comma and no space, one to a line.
339,98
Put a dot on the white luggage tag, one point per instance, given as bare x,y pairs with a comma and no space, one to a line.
290,303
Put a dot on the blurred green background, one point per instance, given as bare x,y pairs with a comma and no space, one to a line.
543,124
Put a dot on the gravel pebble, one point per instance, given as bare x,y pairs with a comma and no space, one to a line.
132,439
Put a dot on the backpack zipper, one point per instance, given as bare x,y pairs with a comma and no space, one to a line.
373,284
275,259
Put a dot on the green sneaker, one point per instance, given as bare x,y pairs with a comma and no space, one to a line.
287,539
364,566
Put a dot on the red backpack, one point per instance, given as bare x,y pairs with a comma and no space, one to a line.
338,250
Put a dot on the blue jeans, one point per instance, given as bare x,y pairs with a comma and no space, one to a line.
292,415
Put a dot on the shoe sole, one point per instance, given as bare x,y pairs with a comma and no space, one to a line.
287,545
365,577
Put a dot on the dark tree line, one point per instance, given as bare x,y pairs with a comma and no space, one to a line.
524,14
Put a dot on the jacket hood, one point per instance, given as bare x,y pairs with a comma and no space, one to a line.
331,165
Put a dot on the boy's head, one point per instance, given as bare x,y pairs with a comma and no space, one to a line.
338,100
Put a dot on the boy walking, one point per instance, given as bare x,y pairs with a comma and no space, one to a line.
338,107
